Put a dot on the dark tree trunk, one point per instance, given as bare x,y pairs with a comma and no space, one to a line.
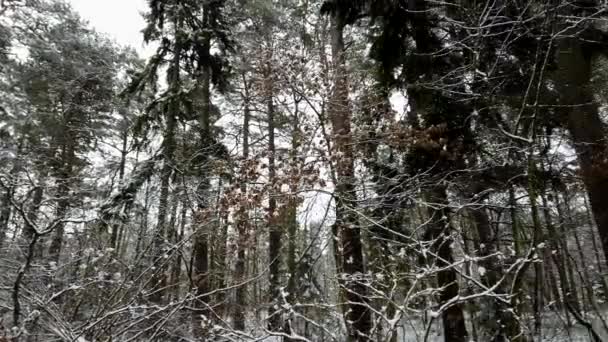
221,256
5,211
177,266
57,239
294,288
159,279
200,267
566,219
63,202
32,214
242,227
276,231
346,228
500,318
117,226
428,105
6,199
584,124
439,231
537,239
560,257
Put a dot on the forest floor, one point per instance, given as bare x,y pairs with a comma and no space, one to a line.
555,329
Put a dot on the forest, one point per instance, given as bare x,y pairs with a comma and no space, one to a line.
306,170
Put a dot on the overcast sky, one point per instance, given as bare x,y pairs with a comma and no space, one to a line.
119,19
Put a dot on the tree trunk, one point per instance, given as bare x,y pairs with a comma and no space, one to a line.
501,319
29,232
276,234
32,214
564,253
425,102
143,224
439,232
538,238
118,226
204,216
291,222
5,211
177,266
584,124
559,256
596,249
242,226
159,279
6,204
356,311
63,201
221,255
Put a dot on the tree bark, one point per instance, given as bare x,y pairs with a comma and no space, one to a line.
425,100
159,279
177,266
5,211
538,238
584,124
200,251
63,201
294,287
500,318
346,228
439,232
32,214
117,227
242,227
275,321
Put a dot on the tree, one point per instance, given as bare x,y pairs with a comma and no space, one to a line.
195,27
346,230
305,170
68,80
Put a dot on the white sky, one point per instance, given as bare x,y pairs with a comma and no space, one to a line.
119,19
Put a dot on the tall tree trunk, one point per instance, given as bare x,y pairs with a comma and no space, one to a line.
177,266
356,311
276,231
6,198
551,281
63,201
500,318
242,226
559,255
118,226
518,287
32,214
159,279
424,101
389,210
221,255
204,216
143,224
439,231
584,124
596,249
291,220
5,211
561,249
515,227
538,238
